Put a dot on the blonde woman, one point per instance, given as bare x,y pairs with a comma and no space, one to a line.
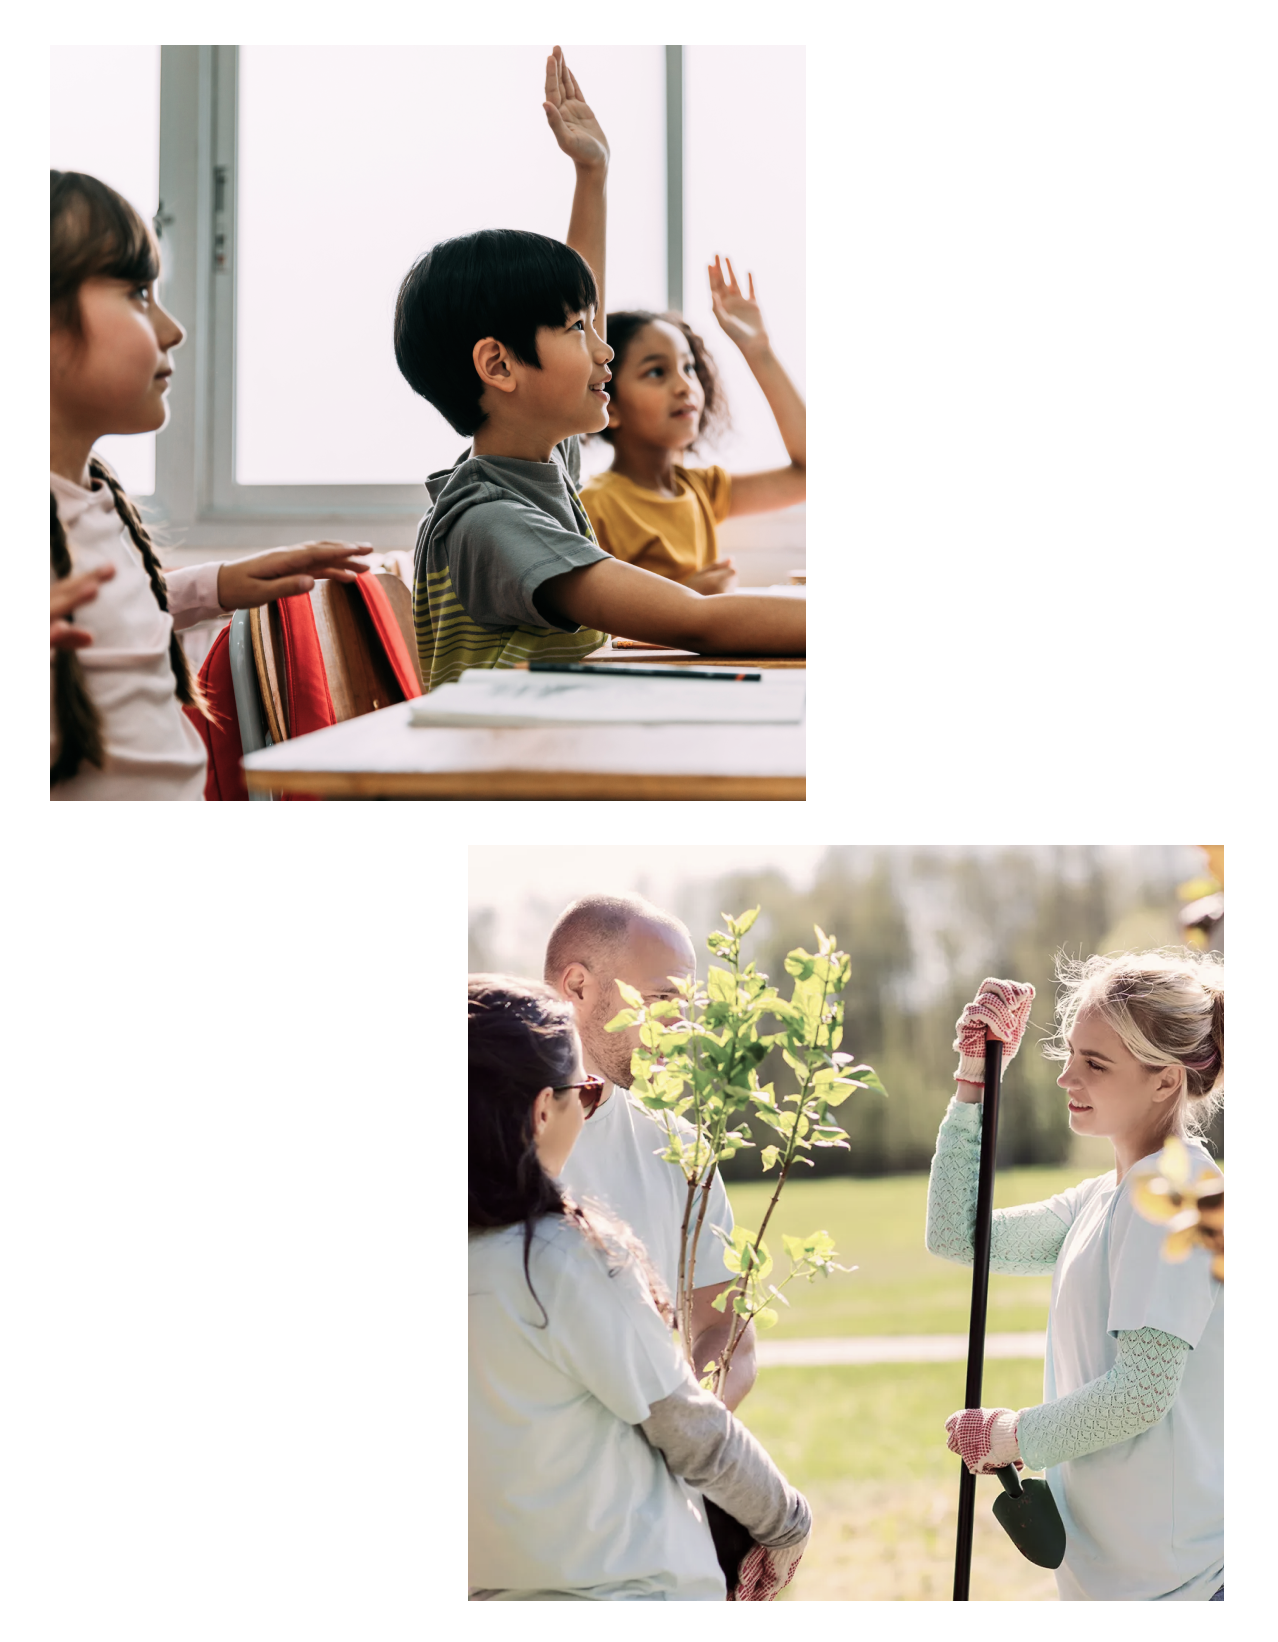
1130,1429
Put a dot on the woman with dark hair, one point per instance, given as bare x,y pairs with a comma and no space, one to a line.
590,1441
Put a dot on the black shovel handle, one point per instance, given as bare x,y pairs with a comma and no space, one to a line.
980,1298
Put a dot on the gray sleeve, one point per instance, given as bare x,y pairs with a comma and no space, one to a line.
1024,1241
714,1453
501,551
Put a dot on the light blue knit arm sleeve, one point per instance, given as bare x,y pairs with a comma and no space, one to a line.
1024,1241
1133,1396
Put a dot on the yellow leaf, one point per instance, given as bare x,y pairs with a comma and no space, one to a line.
1153,1198
1181,1243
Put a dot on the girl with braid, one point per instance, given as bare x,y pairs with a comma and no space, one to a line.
119,675
1130,1429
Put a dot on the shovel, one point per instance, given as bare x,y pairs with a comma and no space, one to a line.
1026,1510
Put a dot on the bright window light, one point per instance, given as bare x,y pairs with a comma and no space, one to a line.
105,106
354,160
744,170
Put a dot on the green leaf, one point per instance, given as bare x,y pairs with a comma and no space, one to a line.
619,1023
766,1318
630,995
720,985
768,1156
741,1305
745,923
720,1301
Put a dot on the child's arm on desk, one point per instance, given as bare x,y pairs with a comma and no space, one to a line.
622,598
578,133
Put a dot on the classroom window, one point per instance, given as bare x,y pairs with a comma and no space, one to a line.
744,173
398,153
105,119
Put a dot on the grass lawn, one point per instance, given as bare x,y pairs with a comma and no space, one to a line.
898,1288
867,1447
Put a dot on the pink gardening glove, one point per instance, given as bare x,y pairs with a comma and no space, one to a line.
764,1572
985,1438
1000,1008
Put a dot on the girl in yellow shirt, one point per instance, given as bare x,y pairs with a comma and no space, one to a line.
649,509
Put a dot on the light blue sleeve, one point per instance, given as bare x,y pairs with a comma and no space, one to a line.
1024,1241
1134,1395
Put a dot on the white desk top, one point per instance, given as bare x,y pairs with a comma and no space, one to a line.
383,755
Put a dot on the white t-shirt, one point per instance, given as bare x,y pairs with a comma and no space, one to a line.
566,1493
617,1160
154,750
1144,1518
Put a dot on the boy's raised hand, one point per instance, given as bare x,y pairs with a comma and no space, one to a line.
737,313
576,129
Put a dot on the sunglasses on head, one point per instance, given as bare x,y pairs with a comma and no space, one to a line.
589,1092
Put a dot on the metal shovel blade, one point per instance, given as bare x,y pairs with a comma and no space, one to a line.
1027,1513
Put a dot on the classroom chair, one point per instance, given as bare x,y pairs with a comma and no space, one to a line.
330,655
298,665
248,701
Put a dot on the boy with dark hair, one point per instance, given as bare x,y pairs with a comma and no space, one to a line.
502,331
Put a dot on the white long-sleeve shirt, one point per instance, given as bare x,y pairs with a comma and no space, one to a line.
153,750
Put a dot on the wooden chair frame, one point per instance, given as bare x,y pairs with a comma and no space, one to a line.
360,677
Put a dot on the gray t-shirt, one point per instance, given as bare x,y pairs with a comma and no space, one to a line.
499,529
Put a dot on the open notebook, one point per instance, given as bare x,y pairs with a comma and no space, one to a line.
486,698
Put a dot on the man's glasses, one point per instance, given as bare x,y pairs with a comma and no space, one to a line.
589,1092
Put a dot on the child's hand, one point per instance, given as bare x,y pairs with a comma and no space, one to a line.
719,577
242,584
67,595
576,129
737,314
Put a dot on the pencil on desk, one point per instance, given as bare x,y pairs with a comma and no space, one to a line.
608,670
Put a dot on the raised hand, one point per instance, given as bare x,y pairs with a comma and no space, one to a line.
999,1009
242,584
737,313
569,116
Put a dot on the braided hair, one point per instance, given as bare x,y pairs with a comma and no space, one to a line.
96,233
78,721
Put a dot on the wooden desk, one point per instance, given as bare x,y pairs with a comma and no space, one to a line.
383,756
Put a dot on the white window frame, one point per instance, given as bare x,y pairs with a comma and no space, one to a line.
196,494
